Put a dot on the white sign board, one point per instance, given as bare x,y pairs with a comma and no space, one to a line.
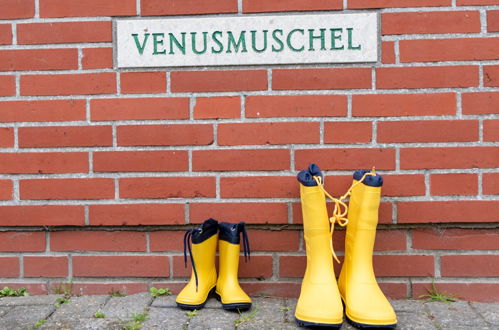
247,40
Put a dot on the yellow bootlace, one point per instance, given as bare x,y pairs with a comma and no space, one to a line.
339,217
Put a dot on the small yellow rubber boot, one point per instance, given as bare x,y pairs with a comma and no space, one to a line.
319,304
228,290
204,274
365,304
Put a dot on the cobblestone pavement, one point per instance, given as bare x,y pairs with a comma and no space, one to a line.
141,311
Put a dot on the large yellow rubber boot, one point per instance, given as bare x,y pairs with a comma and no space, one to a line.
228,289
365,304
204,274
319,303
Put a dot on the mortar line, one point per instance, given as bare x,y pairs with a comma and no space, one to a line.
14,34
37,9
137,8
86,210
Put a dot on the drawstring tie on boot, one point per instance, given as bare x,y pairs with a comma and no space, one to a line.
339,217
187,246
246,247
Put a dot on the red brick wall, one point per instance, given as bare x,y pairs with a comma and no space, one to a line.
101,170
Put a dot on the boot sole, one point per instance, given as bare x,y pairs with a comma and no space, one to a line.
317,325
199,306
232,306
370,326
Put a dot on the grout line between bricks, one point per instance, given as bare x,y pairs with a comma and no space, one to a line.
14,34
21,266
37,9
137,8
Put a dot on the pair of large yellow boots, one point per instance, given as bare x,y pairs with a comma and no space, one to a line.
204,281
321,297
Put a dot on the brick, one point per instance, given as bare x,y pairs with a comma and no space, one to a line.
470,265
68,84
14,9
5,34
388,52
454,184
384,214
139,109
476,2
76,8
18,241
348,132
260,213
65,136
45,266
42,215
129,266
491,75
346,159
9,266
7,86
64,32
350,78
6,137
268,133
92,288
166,240
38,59
430,22
403,185
427,131
427,77
164,135
218,81
259,187
187,7
169,187
136,214
272,289
274,240
140,161
388,105
97,58
32,111
480,103
261,6
132,241
6,190
403,265
452,157
493,20
455,49
455,239
240,160
448,211
46,162
483,292
47,189
490,183
143,82
222,107
296,106
361,4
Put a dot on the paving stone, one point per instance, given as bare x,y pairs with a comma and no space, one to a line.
458,315
76,313
164,301
412,315
213,319
165,318
25,317
490,312
29,300
4,310
265,313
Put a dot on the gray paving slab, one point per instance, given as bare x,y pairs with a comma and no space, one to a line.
265,313
29,300
4,310
75,313
164,301
489,312
165,318
25,317
412,315
210,318
457,315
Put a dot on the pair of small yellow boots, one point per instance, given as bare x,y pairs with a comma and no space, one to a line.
320,302
204,281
